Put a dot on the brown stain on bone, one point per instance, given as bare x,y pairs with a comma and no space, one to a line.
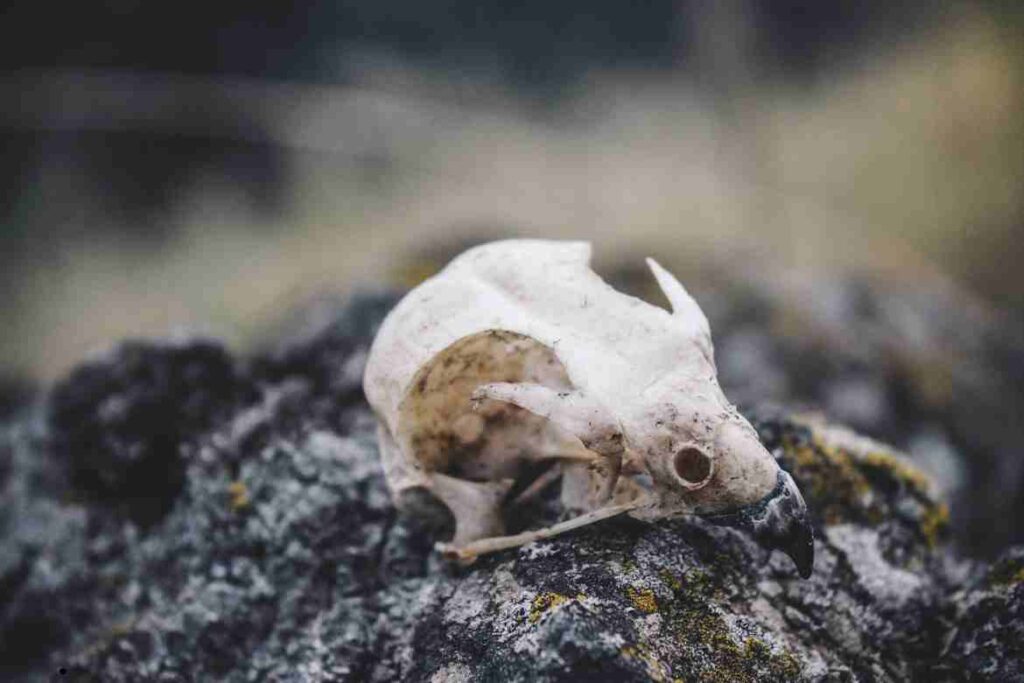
438,421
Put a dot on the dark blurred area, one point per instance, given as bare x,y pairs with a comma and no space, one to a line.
205,167
532,43
119,128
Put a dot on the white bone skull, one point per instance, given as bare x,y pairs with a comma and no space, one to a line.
517,353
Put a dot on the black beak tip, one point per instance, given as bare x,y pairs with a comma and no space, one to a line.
799,545
779,522
801,551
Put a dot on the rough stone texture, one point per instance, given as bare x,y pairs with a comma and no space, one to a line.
274,552
125,421
989,639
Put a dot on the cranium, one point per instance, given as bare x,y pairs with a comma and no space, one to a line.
518,353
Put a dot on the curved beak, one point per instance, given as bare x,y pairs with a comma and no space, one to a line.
779,522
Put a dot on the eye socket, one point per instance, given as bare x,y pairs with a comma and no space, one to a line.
692,467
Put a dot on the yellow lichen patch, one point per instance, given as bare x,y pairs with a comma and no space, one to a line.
1007,572
898,470
731,662
656,670
697,582
643,599
934,519
844,487
670,580
544,602
934,523
712,650
829,477
239,495
781,666
1016,577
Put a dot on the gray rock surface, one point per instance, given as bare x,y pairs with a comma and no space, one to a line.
173,513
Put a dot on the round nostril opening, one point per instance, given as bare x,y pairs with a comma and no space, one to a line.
692,466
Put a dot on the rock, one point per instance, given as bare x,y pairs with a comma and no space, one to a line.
988,640
277,554
124,420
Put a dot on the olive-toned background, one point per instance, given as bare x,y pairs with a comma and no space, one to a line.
201,168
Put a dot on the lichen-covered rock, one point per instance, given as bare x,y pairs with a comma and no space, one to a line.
280,557
988,641
124,421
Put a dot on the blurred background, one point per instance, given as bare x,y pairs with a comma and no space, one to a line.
840,184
